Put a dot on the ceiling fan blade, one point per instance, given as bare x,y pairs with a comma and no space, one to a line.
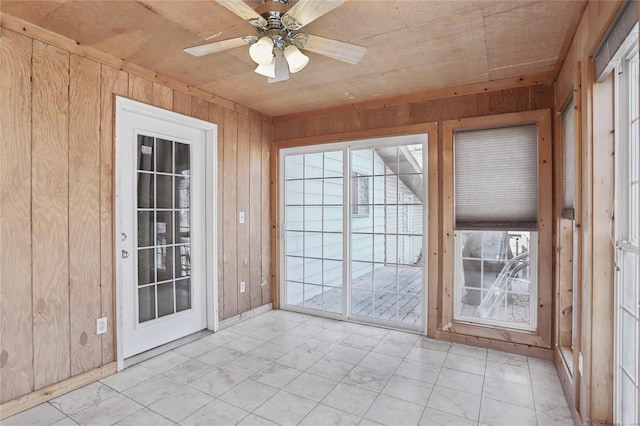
243,10
215,47
340,50
306,11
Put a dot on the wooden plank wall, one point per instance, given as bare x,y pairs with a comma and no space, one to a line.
538,96
57,208
325,126
590,393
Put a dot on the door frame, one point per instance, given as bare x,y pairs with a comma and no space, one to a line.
346,146
210,130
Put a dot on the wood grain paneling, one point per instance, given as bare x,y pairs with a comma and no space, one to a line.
433,208
602,265
265,228
517,99
545,226
16,313
50,214
490,103
230,216
181,102
162,96
255,213
114,82
140,89
592,322
57,183
84,214
514,99
199,108
242,202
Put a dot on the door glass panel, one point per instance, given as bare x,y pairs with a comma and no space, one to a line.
145,229
146,266
146,183
386,233
164,227
146,303
165,299
313,230
164,192
164,151
145,153
183,295
164,232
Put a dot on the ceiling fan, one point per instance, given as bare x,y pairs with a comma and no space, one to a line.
277,47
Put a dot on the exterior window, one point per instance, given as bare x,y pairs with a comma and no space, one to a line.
496,221
495,276
627,319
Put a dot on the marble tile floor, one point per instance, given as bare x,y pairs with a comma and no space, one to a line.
285,368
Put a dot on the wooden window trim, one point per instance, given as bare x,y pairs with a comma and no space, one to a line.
448,326
568,294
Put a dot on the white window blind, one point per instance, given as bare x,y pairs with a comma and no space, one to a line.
496,178
617,40
569,158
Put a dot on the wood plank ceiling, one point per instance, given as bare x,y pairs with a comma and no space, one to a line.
413,46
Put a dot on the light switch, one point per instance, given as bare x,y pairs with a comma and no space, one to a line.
241,217
101,325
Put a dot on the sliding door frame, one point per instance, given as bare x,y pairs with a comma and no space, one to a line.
430,243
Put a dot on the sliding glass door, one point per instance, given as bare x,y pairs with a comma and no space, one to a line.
352,230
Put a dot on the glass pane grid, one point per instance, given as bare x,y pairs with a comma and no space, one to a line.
386,242
494,280
626,377
163,218
313,228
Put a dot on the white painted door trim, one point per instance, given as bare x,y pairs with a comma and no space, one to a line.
122,106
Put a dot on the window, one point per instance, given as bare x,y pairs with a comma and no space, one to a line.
567,255
496,186
495,219
568,119
627,316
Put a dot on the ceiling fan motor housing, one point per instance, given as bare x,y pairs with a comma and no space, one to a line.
280,32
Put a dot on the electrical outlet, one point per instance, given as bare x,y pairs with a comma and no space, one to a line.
101,325
242,287
241,217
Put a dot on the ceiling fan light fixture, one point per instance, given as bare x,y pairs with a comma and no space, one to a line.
268,70
262,51
296,59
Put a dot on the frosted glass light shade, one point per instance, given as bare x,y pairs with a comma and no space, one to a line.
296,59
262,51
268,70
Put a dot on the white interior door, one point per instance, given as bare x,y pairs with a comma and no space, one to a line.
162,227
